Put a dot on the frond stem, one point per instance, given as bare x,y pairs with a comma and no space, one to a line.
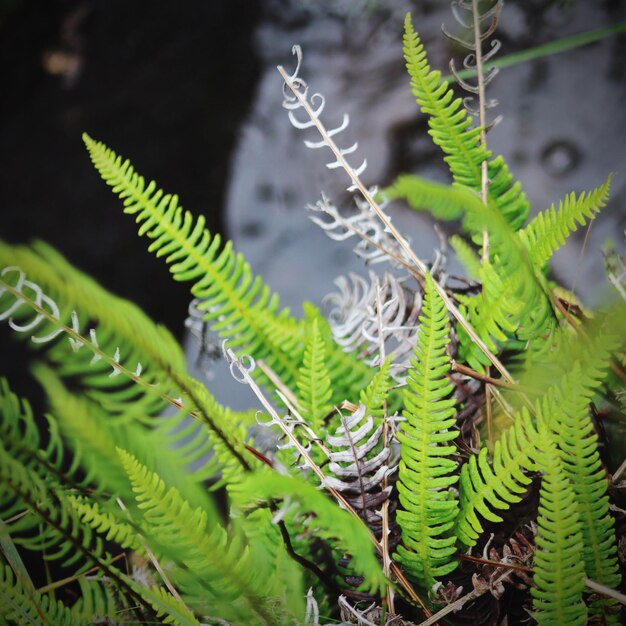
384,540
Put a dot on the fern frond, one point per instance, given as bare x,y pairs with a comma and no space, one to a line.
596,343
219,569
97,599
314,382
486,486
19,607
348,373
547,231
528,296
321,516
376,394
360,328
451,129
169,609
358,465
59,532
20,437
376,244
559,570
566,412
237,304
467,255
120,324
107,522
427,467
494,313
41,309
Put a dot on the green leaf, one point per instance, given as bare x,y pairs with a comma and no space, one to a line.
427,467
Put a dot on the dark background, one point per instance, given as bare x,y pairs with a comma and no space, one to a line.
165,84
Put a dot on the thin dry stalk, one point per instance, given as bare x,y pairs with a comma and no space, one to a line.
384,540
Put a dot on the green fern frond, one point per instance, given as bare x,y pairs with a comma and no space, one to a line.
375,395
97,600
427,467
92,436
20,437
566,412
594,345
322,517
314,382
18,606
227,430
451,129
493,314
237,304
348,373
528,308
19,299
169,609
107,521
54,528
485,486
120,324
559,570
467,255
547,232
214,567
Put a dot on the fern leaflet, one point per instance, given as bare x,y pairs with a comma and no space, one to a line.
314,382
484,486
427,468
547,232
559,571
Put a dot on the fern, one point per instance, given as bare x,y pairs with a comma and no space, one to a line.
113,481
467,255
171,610
567,413
238,305
485,486
219,575
427,467
559,571
326,519
58,531
451,129
359,464
20,607
520,291
374,397
140,339
314,382
547,232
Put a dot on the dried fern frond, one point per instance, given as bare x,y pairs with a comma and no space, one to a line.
358,465
468,15
376,245
358,325
296,97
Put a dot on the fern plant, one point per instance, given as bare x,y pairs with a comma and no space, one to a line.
416,426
